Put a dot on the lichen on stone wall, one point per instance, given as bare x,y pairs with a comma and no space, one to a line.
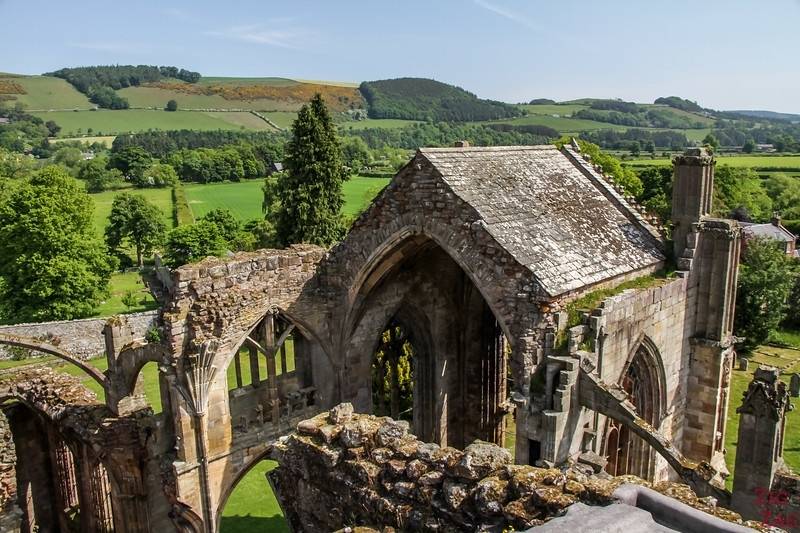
342,469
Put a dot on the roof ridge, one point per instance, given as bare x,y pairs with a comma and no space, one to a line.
515,148
646,219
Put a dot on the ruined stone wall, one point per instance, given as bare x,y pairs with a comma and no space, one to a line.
342,469
663,318
81,338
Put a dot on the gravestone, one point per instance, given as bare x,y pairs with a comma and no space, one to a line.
743,362
794,385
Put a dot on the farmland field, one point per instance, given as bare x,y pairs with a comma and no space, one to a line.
45,92
243,199
155,97
283,119
775,163
563,125
134,120
563,110
107,140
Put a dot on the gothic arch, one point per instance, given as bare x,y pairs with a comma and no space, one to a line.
644,379
39,346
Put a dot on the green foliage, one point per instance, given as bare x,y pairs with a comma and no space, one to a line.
153,335
52,128
656,194
136,221
424,99
710,141
392,374
766,278
310,189
98,176
158,175
679,103
263,232
51,265
445,134
355,153
738,192
626,177
228,224
181,212
749,146
132,162
631,114
785,194
187,244
267,145
129,299
107,98
205,165
69,156
15,165
172,105
100,83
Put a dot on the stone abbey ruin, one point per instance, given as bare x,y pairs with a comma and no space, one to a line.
473,259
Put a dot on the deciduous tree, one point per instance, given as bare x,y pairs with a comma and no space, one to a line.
52,266
136,221
186,244
766,278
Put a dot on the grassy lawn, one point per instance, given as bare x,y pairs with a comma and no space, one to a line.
108,122
789,360
244,198
103,200
45,92
252,506
122,282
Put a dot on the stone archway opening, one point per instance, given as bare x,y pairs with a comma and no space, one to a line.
643,382
250,504
437,353
270,376
61,484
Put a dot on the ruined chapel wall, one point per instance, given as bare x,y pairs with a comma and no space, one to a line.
664,316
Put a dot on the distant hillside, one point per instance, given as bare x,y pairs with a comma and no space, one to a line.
680,103
769,115
424,99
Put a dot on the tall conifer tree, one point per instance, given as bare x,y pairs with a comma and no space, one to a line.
309,191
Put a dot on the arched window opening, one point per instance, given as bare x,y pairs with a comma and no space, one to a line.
438,355
393,374
643,382
270,375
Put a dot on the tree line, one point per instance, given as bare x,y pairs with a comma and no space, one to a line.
99,83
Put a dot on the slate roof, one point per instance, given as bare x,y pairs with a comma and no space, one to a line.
550,213
779,233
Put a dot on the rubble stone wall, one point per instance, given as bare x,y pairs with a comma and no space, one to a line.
342,469
81,338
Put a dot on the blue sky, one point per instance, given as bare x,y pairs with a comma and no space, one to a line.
725,54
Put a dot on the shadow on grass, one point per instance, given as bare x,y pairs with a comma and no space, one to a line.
259,524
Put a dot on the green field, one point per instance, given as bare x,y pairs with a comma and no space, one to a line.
562,110
105,122
108,140
103,200
45,92
252,506
370,123
774,163
283,119
243,199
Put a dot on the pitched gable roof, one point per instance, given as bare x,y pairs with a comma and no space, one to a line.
549,213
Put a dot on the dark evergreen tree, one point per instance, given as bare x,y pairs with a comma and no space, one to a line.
310,189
